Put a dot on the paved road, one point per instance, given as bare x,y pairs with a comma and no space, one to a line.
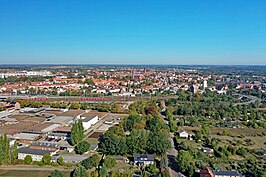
253,99
171,159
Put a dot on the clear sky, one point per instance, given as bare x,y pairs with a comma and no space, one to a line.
133,31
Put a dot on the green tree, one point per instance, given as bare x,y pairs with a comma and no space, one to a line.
4,150
89,81
84,106
82,147
27,159
152,169
46,159
158,143
164,162
116,108
80,172
77,132
112,144
109,162
198,135
181,122
92,161
131,120
172,124
57,173
205,130
137,141
14,151
184,160
61,161
191,170
75,106
103,171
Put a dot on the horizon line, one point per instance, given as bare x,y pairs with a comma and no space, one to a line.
111,64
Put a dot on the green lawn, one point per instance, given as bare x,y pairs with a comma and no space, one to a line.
92,140
25,173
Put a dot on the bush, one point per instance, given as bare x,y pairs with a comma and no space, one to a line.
80,172
109,162
17,162
40,163
56,173
60,161
46,159
28,159
92,161
55,164
82,147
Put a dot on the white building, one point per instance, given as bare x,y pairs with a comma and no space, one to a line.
205,84
183,134
101,91
35,154
39,73
89,121
143,159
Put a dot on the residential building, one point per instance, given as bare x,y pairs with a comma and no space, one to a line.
207,150
219,173
143,159
183,134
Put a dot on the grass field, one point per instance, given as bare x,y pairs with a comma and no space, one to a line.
26,173
248,137
92,140
231,131
256,142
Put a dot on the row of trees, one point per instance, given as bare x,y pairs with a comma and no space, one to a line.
115,108
8,153
46,160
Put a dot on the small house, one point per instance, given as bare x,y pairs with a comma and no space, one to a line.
207,150
143,159
183,134
219,173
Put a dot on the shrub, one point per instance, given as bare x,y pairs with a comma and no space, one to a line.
82,147
28,159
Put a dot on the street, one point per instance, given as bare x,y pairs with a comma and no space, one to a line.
171,159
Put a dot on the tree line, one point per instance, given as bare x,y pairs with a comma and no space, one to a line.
8,152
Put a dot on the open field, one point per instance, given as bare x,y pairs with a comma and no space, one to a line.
249,141
28,173
92,140
231,131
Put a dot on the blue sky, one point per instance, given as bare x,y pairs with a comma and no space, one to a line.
133,32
